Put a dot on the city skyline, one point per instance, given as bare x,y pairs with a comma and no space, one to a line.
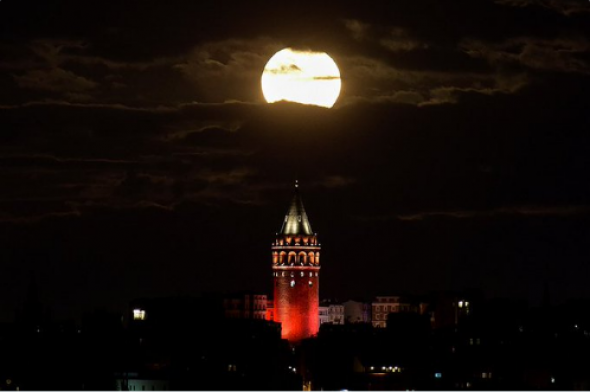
138,157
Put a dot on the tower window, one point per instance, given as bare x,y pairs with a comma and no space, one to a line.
302,274
310,274
292,283
310,283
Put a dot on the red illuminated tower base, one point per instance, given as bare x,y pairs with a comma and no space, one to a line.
296,275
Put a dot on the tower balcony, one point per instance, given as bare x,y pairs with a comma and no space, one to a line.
297,246
306,267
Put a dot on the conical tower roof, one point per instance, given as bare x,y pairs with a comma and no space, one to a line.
296,221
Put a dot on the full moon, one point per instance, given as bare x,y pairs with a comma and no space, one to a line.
307,77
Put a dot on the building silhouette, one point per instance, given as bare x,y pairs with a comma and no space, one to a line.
245,306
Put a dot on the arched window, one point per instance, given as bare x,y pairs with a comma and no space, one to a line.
302,258
311,258
275,257
292,257
282,257
317,257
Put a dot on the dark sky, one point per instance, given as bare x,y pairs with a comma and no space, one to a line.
138,157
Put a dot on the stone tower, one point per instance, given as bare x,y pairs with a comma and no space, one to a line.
296,274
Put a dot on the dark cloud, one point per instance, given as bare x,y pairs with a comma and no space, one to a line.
561,55
136,147
531,211
284,69
567,7
228,70
55,80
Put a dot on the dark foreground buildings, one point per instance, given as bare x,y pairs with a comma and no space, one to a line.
185,343
501,345
234,342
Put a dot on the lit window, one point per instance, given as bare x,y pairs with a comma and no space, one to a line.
138,314
310,274
302,274
292,283
437,375
310,283
292,274
316,274
460,304
283,274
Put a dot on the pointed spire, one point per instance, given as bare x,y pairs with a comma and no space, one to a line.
296,221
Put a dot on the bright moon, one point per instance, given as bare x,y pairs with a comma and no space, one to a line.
306,77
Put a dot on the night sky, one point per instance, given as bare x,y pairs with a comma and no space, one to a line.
138,157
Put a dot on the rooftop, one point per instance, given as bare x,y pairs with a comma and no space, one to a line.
296,221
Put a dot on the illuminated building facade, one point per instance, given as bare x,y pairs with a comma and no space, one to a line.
331,313
383,306
296,274
245,306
